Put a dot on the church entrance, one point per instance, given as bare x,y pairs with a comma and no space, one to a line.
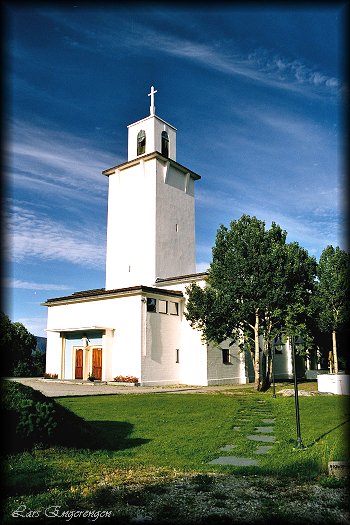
79,363
97,363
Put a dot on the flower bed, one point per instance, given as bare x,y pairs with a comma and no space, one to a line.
50,376
126,379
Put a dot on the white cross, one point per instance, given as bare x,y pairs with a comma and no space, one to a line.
151,94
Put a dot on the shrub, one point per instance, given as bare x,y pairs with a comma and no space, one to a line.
36,420
30,418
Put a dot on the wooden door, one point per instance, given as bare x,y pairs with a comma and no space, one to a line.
79,363
97,363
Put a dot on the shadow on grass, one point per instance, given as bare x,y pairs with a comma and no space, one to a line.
327,433
115,435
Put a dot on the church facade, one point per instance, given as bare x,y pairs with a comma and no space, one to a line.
135,326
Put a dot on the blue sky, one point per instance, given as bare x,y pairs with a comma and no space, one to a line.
256,94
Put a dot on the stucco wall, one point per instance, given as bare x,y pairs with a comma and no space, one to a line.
153,127
175,237
121,352
130,256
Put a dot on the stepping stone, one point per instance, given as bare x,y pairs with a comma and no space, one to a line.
226,448
243,419
235,461
263,449
267,430
268,420
266,439
236,428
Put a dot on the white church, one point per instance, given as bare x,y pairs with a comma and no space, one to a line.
135,326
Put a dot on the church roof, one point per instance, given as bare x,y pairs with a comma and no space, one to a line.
150,156
102,293
183,278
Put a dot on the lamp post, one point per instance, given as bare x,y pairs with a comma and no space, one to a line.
277,344
298,342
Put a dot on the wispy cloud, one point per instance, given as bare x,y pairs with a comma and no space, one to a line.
25,285
260,65
34,234
56,163
35,325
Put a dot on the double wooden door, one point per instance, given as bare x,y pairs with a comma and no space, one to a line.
96,363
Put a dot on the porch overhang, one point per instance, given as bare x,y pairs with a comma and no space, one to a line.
81,329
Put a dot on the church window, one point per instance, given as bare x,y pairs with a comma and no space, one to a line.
225,356
177,355
141,142
162,306
173,308
151,304
165,144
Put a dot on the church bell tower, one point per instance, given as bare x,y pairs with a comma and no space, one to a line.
151,216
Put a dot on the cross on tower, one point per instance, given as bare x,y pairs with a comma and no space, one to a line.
152,109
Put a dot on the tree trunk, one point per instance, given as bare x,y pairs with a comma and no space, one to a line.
335,354
257,351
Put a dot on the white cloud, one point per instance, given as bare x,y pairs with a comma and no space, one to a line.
34,325
260,65
25,285
34,234
56,163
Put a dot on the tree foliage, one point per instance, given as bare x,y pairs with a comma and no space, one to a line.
17,346
257,285
331,300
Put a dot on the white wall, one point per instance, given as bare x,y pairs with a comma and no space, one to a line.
153,127
175,223
131,229
163,337
121,352
221,373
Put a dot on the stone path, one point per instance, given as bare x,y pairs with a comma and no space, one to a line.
263,434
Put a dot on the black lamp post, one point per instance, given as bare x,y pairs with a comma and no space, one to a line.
295,343
277,344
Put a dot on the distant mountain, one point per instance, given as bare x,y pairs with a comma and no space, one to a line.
41,344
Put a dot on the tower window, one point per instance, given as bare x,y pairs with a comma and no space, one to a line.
162,306
177,355
141,142
165,144
173,308
151,304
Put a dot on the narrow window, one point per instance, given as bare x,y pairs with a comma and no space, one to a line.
177,355
162,306
225,356
141,142
173,308
165,144
176,228
151,304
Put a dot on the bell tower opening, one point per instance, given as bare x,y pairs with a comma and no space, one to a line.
165,144
141,142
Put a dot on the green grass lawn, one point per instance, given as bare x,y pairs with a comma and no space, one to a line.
152,438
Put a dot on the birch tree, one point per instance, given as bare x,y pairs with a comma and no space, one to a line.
332,295
252,281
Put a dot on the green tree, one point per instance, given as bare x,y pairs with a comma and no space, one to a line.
332,302
255,283
16,346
